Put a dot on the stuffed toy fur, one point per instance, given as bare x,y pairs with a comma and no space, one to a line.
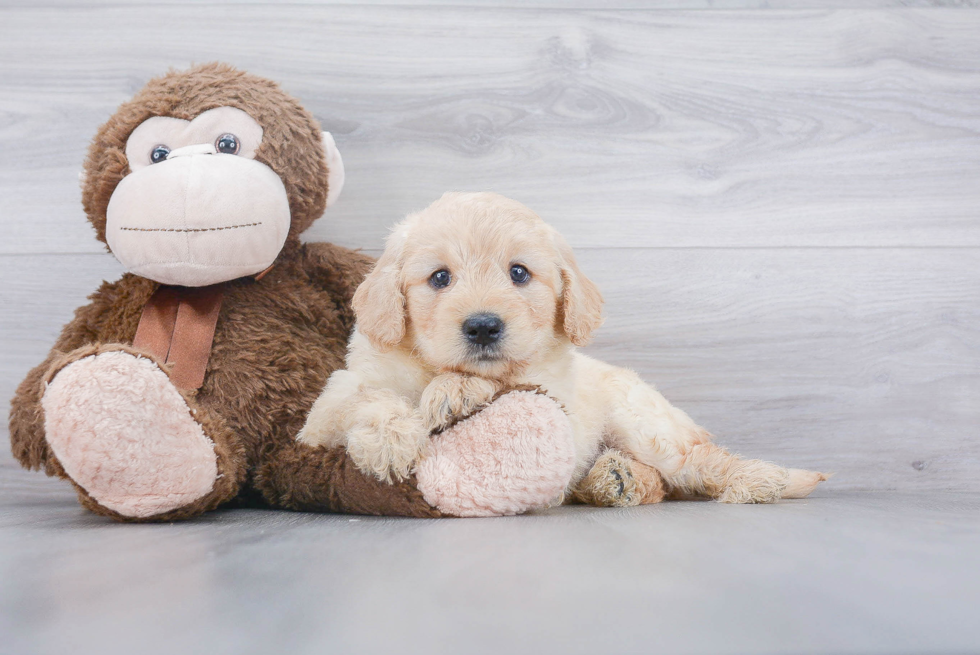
181,386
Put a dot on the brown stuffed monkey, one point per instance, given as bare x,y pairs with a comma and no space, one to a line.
181,386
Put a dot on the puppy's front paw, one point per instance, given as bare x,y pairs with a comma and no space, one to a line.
388,446
451,396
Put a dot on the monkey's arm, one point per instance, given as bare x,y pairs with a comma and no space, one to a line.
338,271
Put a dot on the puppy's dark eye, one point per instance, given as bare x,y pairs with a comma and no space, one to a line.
227,144
159,154
440,279
519,274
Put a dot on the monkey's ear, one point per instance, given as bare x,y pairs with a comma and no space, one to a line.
581,300
335,166
379,303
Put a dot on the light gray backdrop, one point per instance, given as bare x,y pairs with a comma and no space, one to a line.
781,201
781,205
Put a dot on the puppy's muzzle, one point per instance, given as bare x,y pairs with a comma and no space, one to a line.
483,330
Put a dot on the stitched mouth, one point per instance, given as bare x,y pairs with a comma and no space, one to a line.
188,229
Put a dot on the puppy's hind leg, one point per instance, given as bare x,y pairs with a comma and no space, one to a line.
643,424
711,470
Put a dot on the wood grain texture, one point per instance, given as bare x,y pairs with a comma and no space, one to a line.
838,573
656,128
781,206
864,362
606,5
861,362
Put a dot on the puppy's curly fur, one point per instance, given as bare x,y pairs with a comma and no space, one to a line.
420,355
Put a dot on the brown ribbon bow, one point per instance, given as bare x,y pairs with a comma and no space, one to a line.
177,327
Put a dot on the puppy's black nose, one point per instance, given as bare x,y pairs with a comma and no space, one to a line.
483,329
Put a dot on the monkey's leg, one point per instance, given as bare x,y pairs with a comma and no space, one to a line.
514,455
135,447
311,478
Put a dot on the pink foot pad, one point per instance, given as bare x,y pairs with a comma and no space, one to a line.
516,455
124,434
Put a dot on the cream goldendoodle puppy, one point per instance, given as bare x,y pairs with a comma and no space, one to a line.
476,293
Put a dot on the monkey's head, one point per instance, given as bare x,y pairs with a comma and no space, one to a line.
206,175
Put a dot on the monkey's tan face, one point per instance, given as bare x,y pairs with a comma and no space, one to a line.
197,208
480,291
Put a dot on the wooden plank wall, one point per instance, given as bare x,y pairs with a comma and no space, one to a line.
782,204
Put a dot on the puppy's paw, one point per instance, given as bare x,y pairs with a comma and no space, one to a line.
389,445
451,396
610,483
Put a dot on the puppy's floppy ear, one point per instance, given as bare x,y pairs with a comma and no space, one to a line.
581,300
379,303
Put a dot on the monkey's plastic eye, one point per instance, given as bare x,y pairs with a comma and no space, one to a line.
440,279
227,144
519,274
159,154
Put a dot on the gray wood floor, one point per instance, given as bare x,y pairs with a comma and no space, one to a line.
841,572
781,202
